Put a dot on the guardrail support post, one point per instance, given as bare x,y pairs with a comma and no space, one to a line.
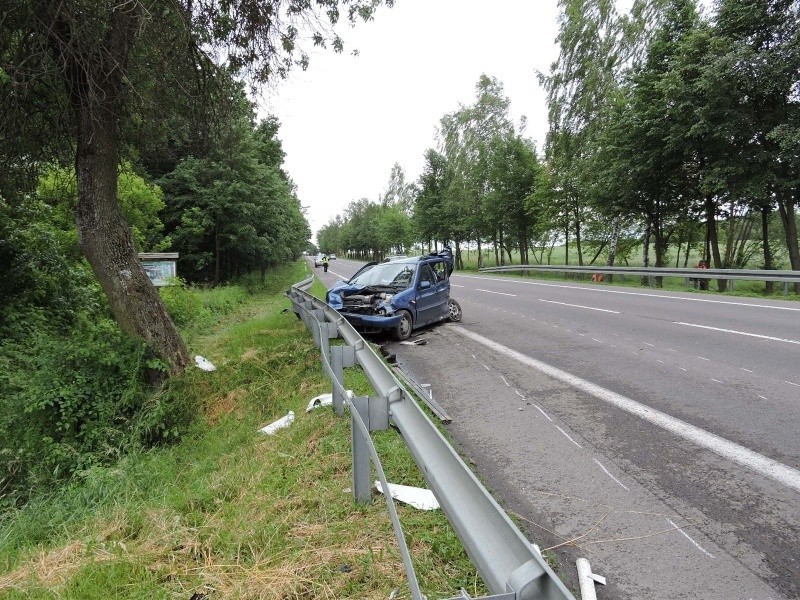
362,471
341,357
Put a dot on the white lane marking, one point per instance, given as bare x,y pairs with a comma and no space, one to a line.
755,335
456,285
760,396
743,369
520,395
681,368
616,312
686,535
671,350
608,291
715,380
546,416
610,475
661,361
737,453
649,344
569,438
487,368
491,292
792,383
504,381
704,358
596,340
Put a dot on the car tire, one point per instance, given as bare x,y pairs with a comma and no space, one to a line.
455,311
402,331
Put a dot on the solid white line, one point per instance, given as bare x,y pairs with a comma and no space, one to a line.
569,438
739,454
610,475
755,335
616,312
491,292
686,535
608,291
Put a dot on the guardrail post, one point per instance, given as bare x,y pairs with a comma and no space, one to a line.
362,472
341,357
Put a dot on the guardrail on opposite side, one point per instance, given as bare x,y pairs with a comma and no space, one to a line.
509,565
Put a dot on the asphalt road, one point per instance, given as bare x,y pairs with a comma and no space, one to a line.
654,433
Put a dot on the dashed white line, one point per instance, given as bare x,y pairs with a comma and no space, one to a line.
732,451
660,361
671,350
615,312
755,335
493,292
760,396
610,475
520,395
686,535
546,416
792,383
649,344
569,438
715,380
704,358
455,285
681,368
743,369
596,340
504,381
487,368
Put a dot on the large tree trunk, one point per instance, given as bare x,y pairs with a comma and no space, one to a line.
94,79
786,206
712,243
765,212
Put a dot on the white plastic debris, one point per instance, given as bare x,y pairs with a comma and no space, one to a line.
281,423
204,363
417,497
323,400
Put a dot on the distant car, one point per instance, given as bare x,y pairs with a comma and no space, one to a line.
398,296
394,257
318,259
332,256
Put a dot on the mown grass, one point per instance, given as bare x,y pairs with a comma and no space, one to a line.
229,512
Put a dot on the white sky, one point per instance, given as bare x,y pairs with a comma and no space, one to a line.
348,119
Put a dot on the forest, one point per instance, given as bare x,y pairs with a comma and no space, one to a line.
671,132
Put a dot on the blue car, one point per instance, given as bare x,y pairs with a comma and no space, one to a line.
398,295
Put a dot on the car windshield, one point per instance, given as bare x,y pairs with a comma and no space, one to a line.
394,275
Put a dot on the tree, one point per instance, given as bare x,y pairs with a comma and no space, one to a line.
102,58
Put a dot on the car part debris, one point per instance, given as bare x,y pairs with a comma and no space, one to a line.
323,400
204,363
281,423
420,498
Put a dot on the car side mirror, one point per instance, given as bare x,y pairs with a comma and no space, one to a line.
424,285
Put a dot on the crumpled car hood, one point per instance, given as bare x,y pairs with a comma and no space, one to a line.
361,299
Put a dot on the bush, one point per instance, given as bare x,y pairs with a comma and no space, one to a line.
183,304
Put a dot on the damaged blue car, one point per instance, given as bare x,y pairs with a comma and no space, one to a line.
398,295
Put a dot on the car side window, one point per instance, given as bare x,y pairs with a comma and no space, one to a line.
426,274
440,268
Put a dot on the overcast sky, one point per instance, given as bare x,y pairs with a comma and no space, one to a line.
348,119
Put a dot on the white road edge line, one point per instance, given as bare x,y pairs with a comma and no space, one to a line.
686,535
755,335
491,292
610,475
732,451
615,312
546,416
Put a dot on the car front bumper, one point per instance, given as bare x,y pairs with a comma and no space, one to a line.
372,322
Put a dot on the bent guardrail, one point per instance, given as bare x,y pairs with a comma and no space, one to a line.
509,565
785,277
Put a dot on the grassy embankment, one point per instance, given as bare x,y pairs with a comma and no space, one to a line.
228,511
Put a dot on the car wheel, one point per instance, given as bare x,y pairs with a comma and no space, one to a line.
402,331
455,310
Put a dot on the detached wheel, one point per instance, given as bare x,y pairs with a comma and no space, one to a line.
402,331
455,310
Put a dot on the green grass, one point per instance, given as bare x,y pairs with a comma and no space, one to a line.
228,511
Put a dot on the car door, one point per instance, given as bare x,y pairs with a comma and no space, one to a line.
433,292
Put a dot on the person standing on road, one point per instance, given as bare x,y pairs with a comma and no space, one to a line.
325,262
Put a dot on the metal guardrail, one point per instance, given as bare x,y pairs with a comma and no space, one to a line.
509,565
785,277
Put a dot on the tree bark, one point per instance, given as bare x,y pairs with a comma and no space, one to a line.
712,243
765,212
94,77
786,207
